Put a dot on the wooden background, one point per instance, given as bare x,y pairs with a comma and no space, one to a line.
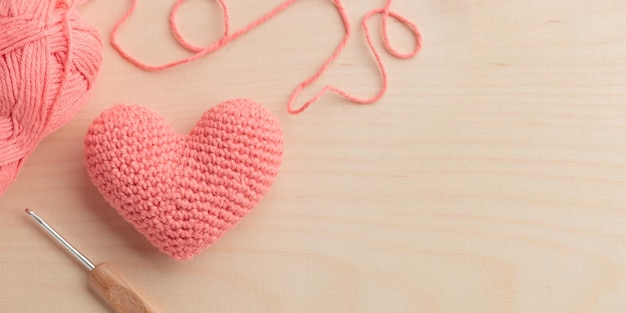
491,177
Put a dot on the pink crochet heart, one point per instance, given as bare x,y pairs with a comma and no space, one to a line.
184,192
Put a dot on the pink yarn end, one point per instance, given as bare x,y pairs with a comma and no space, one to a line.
49,60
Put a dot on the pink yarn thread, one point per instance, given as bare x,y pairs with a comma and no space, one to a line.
227,37
49,59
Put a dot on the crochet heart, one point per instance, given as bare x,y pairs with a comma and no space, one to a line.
183,193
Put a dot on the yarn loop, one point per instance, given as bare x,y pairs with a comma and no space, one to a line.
49,59
227,37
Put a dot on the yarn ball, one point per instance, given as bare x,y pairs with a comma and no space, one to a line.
49,59
183,193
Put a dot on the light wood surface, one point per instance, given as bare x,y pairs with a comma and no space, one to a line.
491,177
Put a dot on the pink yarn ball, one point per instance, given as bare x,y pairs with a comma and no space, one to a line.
49,60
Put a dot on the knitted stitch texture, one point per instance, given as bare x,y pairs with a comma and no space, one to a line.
184,192
49,59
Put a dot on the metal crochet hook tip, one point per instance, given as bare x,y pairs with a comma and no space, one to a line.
79,256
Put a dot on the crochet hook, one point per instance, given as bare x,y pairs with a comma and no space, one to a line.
104,279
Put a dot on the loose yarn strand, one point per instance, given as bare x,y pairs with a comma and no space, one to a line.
226,38
181,39
198,51
406,22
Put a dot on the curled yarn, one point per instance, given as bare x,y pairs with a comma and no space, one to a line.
227,37
49,59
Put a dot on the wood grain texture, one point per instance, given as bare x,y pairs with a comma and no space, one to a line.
113,288
491,177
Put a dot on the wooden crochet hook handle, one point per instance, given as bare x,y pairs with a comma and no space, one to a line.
104,279
115,289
